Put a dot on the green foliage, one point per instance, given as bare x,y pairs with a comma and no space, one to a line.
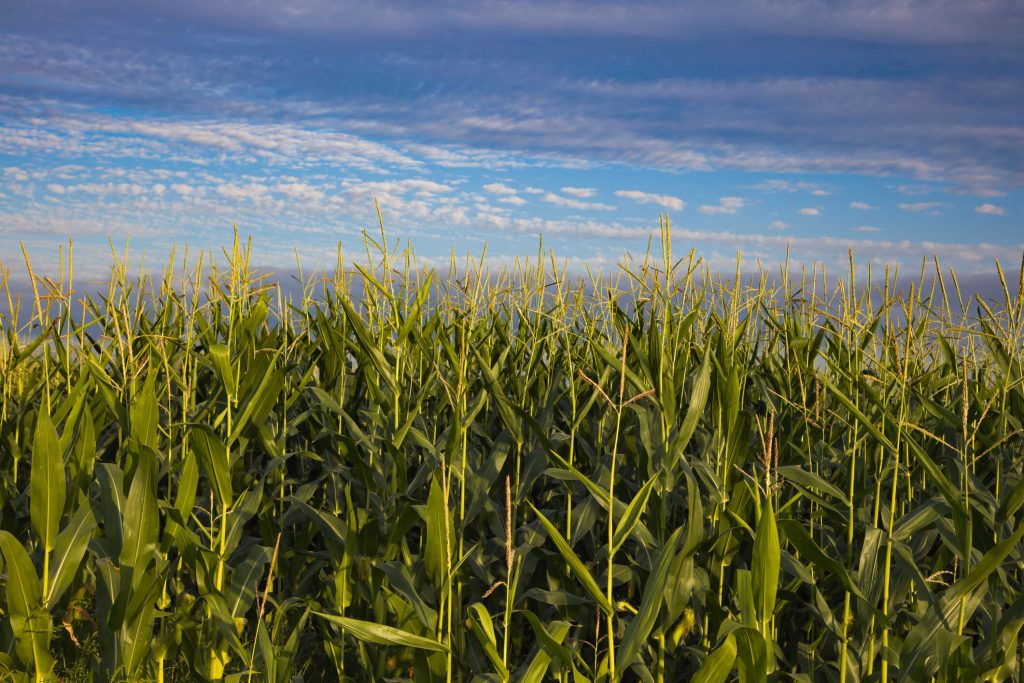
654,474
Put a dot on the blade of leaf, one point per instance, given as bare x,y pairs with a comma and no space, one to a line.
576,565
379,634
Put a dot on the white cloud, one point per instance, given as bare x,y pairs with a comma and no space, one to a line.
55,188
778,185
273,142
557,200
991,209
862,206
253,192
581,192
668,201
917,207
300,191
810,211
106,189
183,189
778,225
913,190
16,173
867,228
513,200
499,188
422,188
727,205
533,190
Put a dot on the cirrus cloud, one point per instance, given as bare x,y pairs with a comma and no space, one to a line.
726,205
557,200
667,201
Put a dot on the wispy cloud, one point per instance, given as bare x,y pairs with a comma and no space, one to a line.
917,207
862,206
810,211
499,188
867,228
570,203
914,21
990,209
914,189
779,185
581,192
667,201
300,191
778,225
726,205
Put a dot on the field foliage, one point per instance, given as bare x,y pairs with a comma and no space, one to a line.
653,474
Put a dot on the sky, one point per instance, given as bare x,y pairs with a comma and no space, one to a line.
760,127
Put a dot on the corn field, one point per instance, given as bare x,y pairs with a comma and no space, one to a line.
654,474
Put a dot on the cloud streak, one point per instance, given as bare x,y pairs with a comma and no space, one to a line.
570,203
726,205
667,201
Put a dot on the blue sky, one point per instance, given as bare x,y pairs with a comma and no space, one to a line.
892,128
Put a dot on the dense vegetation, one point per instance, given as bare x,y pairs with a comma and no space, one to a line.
648,475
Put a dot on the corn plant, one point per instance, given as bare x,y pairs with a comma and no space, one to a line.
657,473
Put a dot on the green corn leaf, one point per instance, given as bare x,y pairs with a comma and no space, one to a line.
144,414
136,634
413,316
694,411
23,591
401,580
718,664
440,537
482,627
379,634
110,506
241,591
808,480
141,520
537,668
214,458
643,622
30,623
71,545
631,517
575,563
920,638
1011,502
369,347
694,517
601,496
980,572
47,486
260,400
766,561
810,551
752,654
554,647
188,483
220,357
